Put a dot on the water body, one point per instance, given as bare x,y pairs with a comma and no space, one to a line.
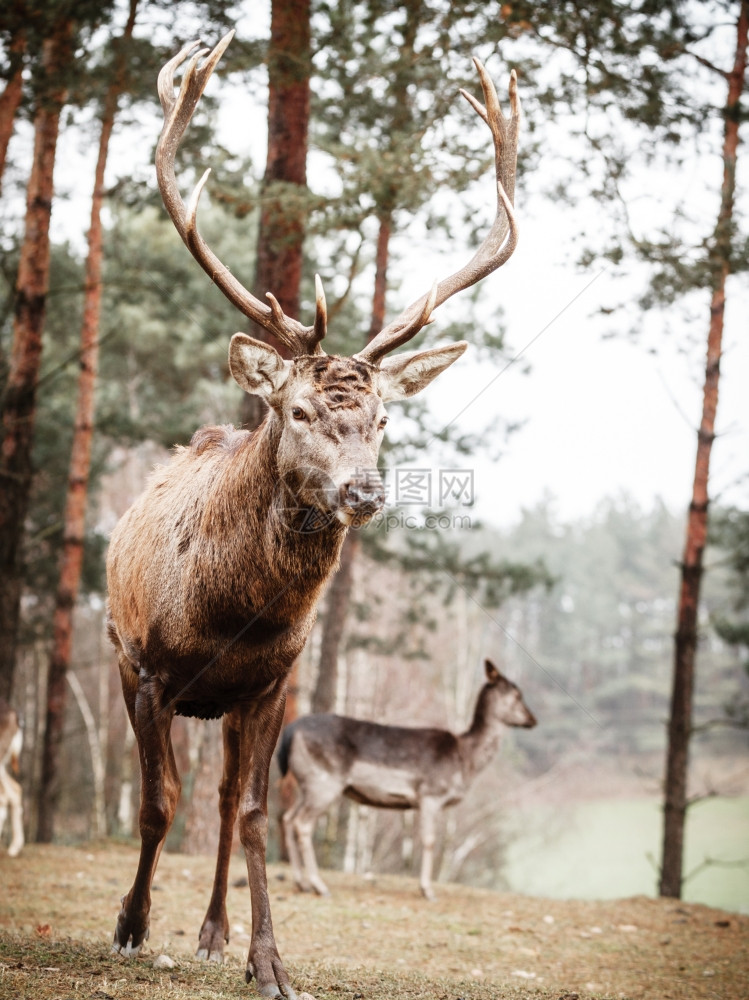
608,849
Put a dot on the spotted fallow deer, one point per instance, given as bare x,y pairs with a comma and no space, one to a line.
11,795
215,572
390,767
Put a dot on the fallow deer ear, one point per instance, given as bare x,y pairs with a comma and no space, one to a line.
492,674
257,367
406,374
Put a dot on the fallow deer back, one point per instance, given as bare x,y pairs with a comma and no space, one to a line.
215,572
389,767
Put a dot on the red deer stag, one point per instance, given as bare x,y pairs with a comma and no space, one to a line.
215,572
11,796
390,767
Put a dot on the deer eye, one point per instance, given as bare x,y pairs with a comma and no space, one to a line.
383,421
298,413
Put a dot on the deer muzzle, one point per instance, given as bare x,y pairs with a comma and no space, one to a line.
530,720
360,499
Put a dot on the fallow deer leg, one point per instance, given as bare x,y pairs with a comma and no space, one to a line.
160,787
428,809
215,929
14,798
260,727
305,827
292,845
317,797
3,803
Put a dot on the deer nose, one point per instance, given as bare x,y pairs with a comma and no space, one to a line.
364,498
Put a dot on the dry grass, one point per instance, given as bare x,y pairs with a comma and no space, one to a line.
370,940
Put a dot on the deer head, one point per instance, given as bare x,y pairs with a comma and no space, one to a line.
328,412
504,700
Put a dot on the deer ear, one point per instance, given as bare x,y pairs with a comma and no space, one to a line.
257,367
406,374
492,674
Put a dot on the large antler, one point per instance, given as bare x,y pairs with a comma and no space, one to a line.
499,243
177,114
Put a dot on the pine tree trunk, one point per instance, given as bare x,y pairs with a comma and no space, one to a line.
339,590
80,466
201,825
278,264
336,610
19,402
280,240
381,276
680,720
11,97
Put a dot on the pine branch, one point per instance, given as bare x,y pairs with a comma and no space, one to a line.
706,62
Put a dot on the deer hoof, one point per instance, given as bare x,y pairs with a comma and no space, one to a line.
125,942
268,989
128,950
277,987
274,990
206,955
213,934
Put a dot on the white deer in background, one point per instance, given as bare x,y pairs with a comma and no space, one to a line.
11,795
390,767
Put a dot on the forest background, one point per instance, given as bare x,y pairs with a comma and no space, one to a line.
559,555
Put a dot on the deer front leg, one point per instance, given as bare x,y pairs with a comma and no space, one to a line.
292,847
215,929
11,796
15,798
318,793
260,726
304,827
428,809
160,788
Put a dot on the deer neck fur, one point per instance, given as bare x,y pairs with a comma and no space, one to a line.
478,745
245,514
207,554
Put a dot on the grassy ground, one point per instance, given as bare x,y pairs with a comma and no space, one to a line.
370,940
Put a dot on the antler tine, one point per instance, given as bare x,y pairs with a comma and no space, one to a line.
321,318
500,241
178,111
165,83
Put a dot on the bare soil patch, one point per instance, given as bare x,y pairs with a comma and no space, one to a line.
370,940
